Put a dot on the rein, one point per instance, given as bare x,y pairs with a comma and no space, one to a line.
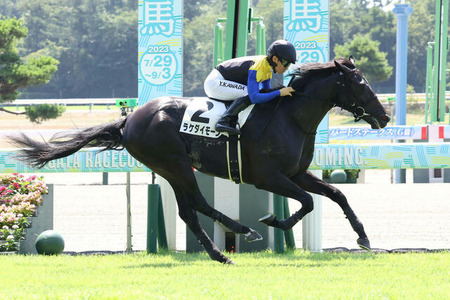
268,120
274,111
358,111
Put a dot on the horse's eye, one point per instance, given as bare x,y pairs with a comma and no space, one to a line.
359,80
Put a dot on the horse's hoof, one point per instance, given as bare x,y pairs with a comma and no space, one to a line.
268,220
364,243
253,236
229,262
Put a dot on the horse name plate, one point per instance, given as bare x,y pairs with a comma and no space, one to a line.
202,114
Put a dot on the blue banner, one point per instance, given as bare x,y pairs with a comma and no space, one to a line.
306,26
416,132
160,49
326,157
381,156
85,160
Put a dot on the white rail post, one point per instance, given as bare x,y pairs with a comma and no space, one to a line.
312,223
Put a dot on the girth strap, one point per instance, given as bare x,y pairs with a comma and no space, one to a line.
234,158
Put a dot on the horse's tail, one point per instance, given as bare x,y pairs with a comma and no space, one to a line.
38,154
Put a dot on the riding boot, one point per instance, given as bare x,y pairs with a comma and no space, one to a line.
227,123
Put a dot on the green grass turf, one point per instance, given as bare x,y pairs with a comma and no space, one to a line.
264,275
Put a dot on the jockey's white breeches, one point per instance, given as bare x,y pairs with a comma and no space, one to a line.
221,89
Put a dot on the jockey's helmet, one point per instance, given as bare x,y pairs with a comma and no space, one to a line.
283,50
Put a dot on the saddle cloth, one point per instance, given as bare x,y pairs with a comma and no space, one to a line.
202,114
200,119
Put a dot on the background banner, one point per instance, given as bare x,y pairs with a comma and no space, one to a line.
326,157
85,160
306,26
160,52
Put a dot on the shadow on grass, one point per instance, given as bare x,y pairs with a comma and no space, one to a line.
170,259
289,258
296,256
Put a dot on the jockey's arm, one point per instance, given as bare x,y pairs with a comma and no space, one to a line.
256,97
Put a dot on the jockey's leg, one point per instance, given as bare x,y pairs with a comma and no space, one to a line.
227,123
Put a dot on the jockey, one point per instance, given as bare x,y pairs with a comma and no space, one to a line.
240,79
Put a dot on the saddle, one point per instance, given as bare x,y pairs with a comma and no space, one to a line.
200,119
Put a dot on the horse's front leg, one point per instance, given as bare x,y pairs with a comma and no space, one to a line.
313,184
282,185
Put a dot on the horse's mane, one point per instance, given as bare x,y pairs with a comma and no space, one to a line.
305,72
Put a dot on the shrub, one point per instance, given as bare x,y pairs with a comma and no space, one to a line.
351,173
39,113
19,198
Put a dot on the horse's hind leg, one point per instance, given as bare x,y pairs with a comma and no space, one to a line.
176,175
194,199
313,184
164,151
189,216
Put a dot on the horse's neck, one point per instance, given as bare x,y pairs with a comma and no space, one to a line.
309,115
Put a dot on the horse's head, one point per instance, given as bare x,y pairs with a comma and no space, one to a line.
355,95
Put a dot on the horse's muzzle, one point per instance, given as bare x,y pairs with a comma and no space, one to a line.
385,118
377,122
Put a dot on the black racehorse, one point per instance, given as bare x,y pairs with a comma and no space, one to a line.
277,145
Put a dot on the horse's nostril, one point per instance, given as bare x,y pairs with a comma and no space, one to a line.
385,118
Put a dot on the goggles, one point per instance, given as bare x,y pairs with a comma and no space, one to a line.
285,63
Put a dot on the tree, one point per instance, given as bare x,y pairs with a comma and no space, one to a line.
39,113
420,32
17,72
198,45
95,40
383,29
9,8
272,12
377,3
370,60
378,24
198,37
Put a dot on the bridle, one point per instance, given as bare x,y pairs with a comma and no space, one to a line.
358,111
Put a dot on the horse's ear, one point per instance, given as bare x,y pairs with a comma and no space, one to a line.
352,59
344,69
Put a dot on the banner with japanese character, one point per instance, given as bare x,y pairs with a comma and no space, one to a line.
306,26
160,49
415,132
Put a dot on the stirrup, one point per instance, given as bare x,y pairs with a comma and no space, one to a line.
228,129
